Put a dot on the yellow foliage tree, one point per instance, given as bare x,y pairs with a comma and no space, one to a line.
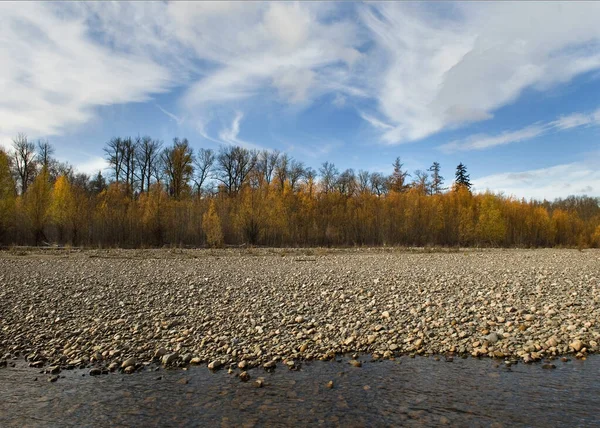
62,207
211,223
154,206
7,198
596,237
37,204
490,225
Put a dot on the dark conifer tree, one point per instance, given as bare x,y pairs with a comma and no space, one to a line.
437,181
462,178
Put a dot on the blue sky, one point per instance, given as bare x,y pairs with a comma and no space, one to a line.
510,89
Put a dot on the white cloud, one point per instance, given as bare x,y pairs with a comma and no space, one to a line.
442,66
231,135
53,73
177,119
92,165
578,178
427,67
484,141
374,121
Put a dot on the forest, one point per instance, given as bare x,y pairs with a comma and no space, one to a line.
155,195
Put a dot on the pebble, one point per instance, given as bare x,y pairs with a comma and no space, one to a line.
215,365
169,359
111,306
128,363
577,345
270,365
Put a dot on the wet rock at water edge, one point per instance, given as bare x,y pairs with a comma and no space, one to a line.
244,376
128,363
215,365
129,369
270,365
95,371
169,359
355,363
577,345
53,370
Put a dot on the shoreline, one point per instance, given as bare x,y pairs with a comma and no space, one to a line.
256,374
118,309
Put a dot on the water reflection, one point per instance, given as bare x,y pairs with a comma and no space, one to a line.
407,391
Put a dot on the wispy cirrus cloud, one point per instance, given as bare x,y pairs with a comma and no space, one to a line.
485,141
425,67
558,181
231,135
54,73
177,119
438,67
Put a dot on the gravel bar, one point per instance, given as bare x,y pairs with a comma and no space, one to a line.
110,310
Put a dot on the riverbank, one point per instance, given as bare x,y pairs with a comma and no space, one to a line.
236,309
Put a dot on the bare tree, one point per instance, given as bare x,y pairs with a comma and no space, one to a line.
128,150
147,154
329,174
234,165
203,162
282,170
310,175
346,183
267,160
24,161
421,181
363,179
378,183
45,152
296,172
114,156
178,162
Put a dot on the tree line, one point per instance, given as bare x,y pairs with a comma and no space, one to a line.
156,194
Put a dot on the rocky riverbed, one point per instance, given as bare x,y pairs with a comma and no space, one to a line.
107,310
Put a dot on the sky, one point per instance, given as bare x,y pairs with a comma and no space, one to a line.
509,89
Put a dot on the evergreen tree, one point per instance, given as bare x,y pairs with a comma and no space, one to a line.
397,181
98,184
437,181
462,178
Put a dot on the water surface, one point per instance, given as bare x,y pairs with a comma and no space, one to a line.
407,391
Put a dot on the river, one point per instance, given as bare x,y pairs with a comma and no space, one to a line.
407,391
